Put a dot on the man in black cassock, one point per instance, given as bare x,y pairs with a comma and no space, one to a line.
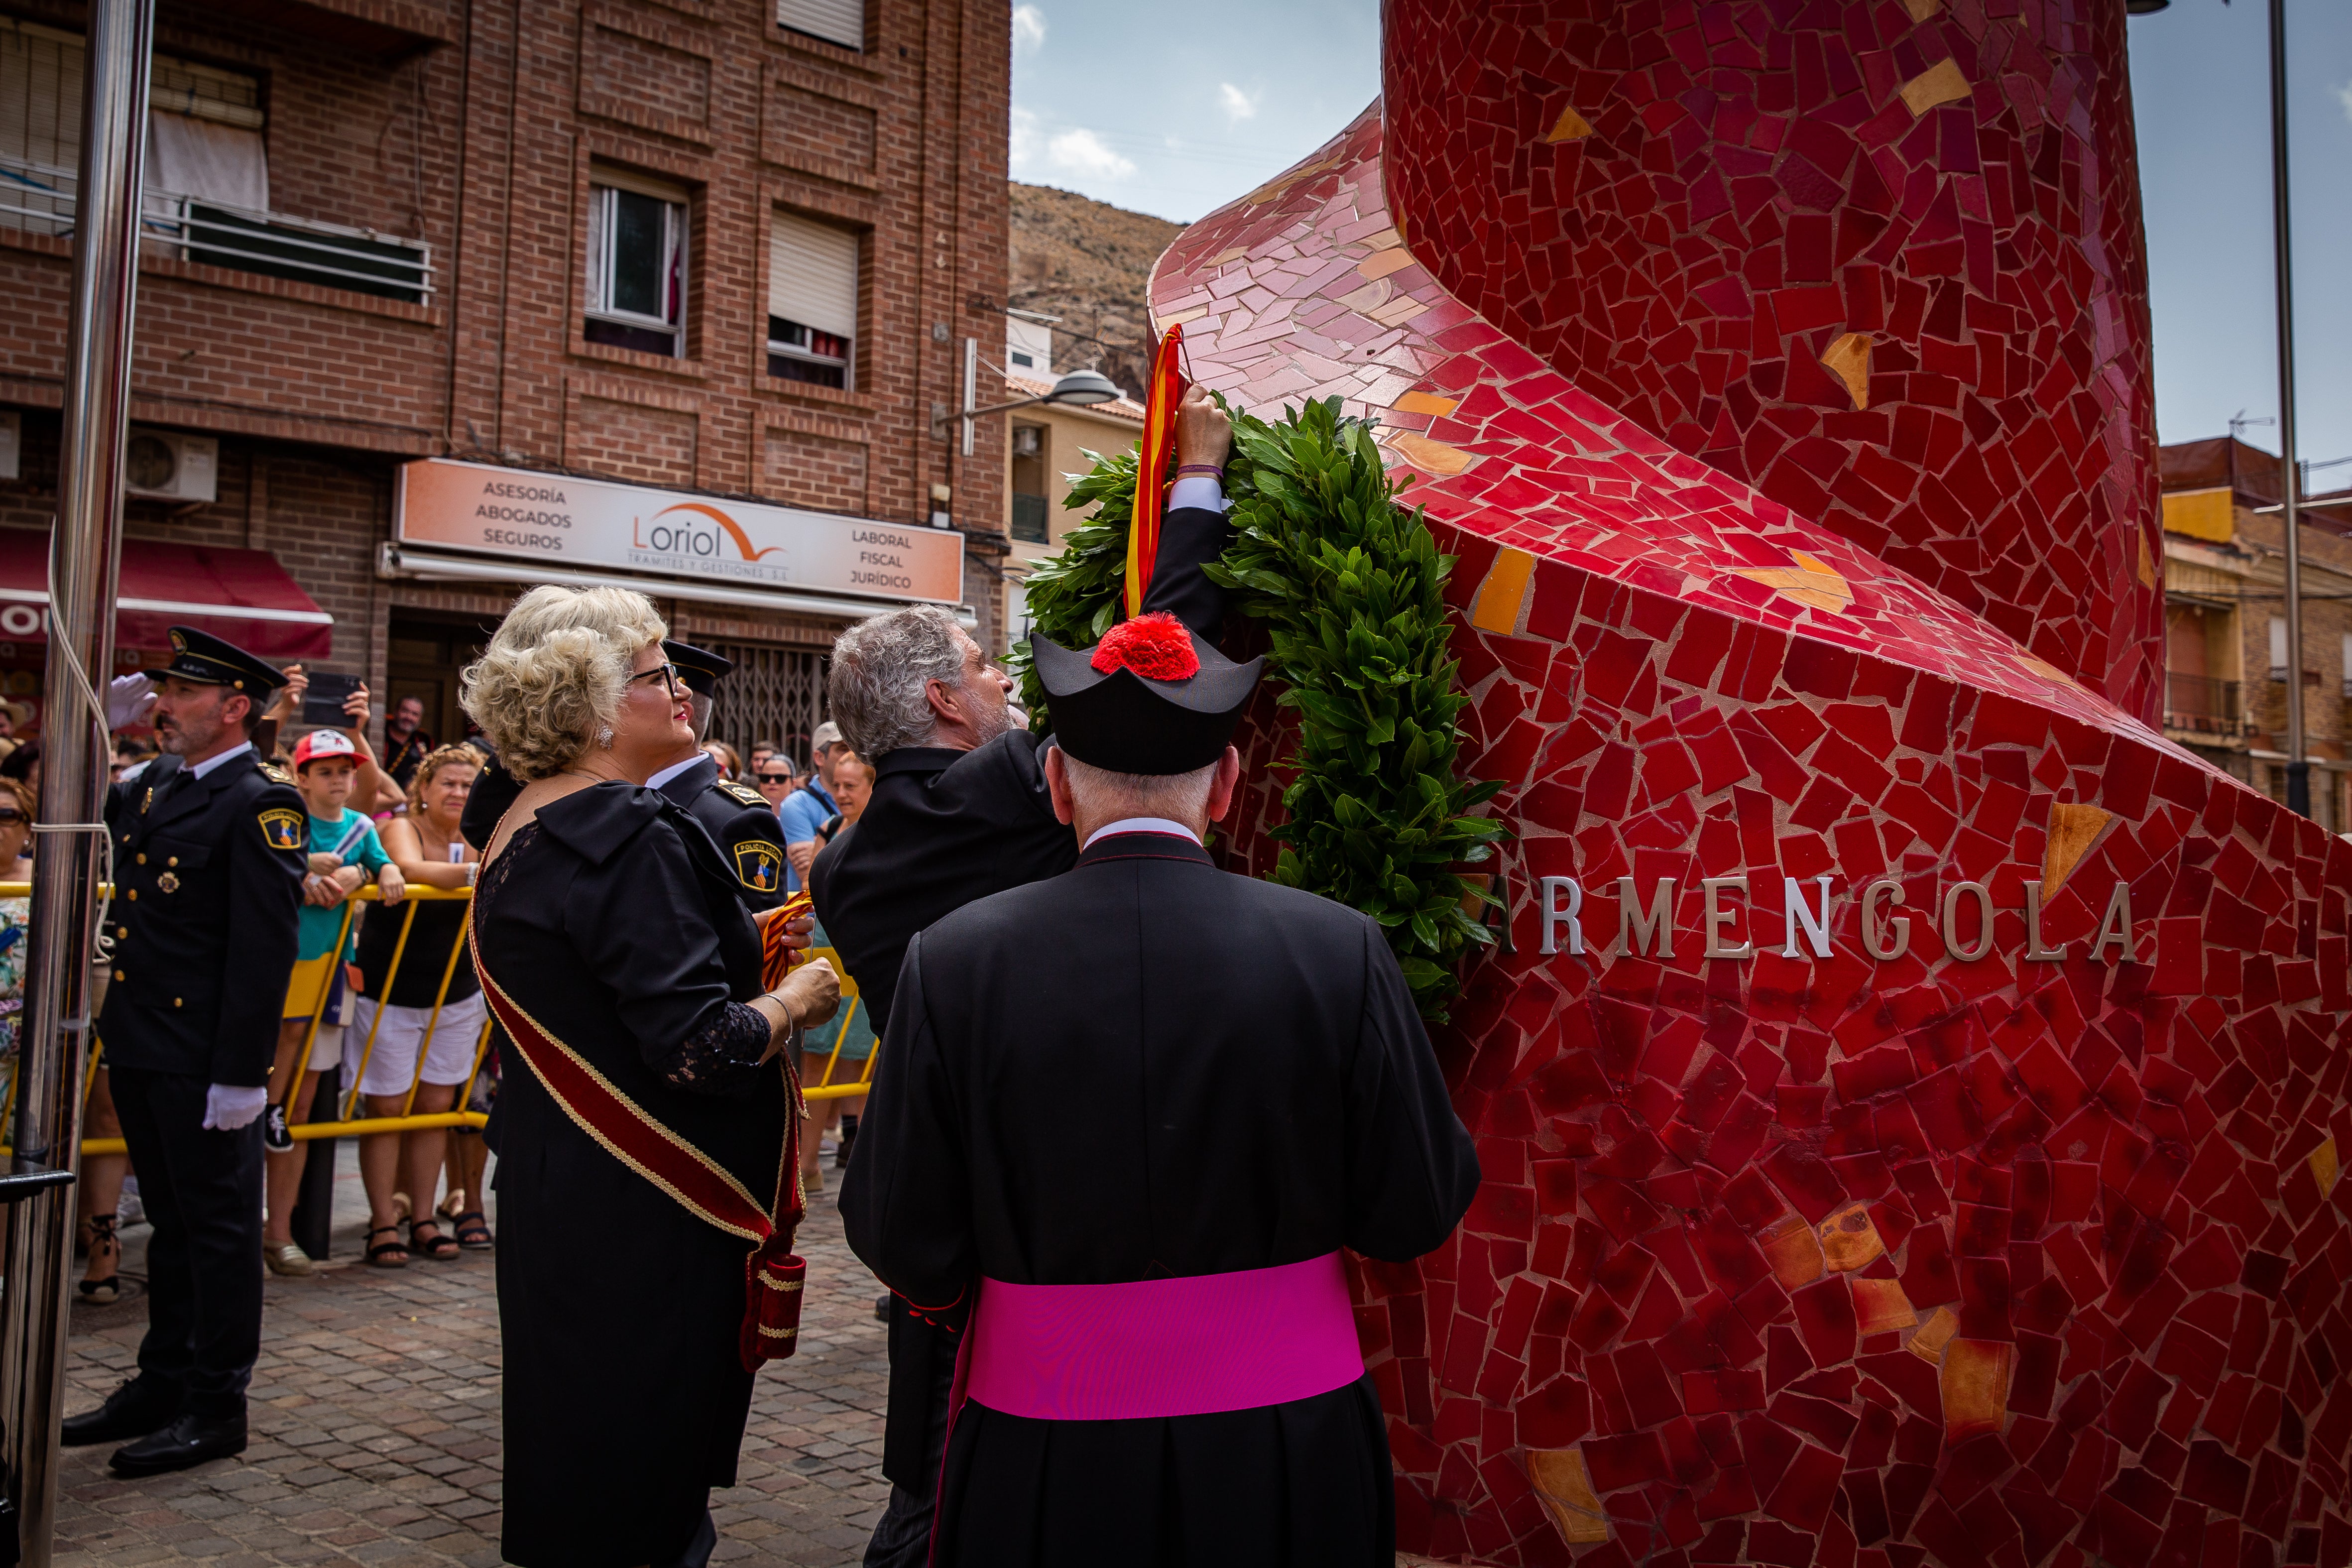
960,810
1237,1086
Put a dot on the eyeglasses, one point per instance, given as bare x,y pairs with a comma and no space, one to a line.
775,778
669,673
9,814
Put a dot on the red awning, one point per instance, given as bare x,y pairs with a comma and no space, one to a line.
241,595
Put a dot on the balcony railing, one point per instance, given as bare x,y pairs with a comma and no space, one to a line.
2201,705
39,198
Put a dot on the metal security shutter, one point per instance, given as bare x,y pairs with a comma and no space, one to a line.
813,274
839,22
772,694
184,87
40,96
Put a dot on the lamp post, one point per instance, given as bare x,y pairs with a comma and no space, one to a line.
2298,767
84,547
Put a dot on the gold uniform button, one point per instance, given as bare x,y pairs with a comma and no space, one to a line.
175,1001
172,861
117,974
143,859
134,895
122,930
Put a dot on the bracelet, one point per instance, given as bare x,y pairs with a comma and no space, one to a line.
1210,471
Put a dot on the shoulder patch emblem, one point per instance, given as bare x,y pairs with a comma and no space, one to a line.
743,793
277,775
759,866
281,828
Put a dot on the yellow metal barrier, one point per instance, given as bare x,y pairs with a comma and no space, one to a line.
347,1126
824,1087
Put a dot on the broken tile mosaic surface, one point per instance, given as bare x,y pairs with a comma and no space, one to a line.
1778,369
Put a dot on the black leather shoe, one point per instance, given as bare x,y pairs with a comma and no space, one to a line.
189,1440
135,1409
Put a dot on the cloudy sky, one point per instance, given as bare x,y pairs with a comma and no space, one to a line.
1174,113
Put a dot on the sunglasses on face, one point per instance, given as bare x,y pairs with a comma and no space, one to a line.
9,814
668,672
775,778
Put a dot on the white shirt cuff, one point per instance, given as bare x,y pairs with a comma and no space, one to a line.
1197,489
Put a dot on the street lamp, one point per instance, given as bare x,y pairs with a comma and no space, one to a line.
1079,389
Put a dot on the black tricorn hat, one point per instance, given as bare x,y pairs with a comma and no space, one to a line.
1151,697
209,660
698,666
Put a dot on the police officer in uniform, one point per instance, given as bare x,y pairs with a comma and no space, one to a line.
208,860
737,817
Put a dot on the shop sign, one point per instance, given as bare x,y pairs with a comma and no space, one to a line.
565,522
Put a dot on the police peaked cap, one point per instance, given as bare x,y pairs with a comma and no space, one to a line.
1151,697
209,660
698,666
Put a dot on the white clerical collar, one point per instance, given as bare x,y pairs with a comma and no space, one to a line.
1138,824
675,769
209,764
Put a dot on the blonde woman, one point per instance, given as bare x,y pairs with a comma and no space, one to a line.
425,845
616,955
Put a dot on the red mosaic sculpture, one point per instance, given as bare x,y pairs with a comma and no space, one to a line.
1883,262
1978,1205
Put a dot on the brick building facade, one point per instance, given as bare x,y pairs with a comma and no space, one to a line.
681,244
2226,657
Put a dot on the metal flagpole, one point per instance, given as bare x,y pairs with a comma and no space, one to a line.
2298,768
83,556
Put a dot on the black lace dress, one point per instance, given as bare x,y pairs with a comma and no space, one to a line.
609,920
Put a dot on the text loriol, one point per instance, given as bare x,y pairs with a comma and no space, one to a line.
1648,929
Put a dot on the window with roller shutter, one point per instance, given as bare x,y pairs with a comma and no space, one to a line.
812,302
841,21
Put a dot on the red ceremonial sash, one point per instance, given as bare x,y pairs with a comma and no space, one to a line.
772,1275
1158,445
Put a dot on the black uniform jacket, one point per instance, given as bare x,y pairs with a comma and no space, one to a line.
494,792
945,828
611,920
208,888
1234,1078
742,823
739,819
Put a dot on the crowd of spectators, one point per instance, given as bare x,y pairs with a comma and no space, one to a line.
411,1047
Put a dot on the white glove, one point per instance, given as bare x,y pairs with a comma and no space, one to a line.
128,699
229,1106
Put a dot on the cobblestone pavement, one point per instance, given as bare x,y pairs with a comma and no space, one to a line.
375,1424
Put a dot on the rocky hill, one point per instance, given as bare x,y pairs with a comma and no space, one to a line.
1087,262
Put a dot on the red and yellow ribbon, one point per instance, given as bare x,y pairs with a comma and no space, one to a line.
1167,390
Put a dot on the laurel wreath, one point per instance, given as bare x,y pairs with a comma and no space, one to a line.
1352,590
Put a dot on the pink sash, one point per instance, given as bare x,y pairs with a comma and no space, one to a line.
1164,1347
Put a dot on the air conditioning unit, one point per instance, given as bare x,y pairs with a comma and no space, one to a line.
1028,441
164,465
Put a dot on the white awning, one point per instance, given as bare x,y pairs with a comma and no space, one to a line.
430,566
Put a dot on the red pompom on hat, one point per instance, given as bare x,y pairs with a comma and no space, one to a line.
1157,646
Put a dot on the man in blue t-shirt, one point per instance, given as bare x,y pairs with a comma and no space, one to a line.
810,806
